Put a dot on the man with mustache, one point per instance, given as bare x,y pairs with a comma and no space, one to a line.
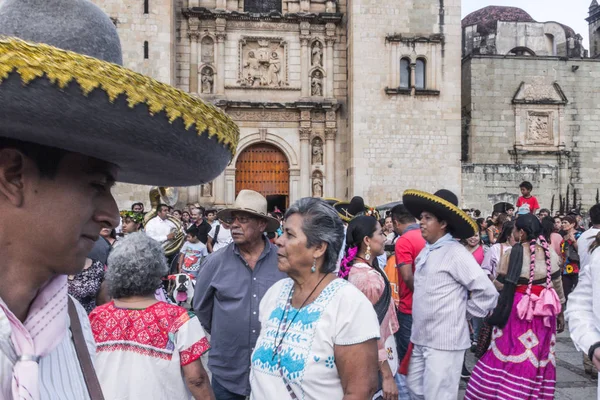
229,288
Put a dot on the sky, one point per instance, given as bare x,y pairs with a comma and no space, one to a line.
571,12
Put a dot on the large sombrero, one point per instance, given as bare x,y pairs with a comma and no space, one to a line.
62,85
444,205
355,207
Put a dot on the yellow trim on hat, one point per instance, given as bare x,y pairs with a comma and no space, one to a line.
33,61
445,203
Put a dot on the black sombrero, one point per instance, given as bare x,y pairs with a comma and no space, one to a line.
355,207
331,201
62,86
444,205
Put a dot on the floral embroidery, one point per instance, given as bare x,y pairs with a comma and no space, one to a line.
330,362
195,352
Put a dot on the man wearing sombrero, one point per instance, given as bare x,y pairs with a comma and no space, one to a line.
229,288
448,285
72,122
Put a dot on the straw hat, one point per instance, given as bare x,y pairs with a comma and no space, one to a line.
254,203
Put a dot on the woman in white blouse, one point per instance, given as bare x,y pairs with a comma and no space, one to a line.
319,334
583,311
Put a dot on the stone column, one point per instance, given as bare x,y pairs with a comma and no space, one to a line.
305,57
194,35
219,190
329,190
329,41
221,37
305,161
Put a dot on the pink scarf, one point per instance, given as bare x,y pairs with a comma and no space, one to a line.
43,330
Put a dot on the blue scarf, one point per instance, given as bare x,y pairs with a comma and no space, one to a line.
424,255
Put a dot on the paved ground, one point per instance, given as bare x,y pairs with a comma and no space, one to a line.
572,382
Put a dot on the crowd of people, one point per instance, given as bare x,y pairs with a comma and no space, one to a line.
324,301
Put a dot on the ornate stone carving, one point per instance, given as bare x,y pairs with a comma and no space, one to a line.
304,133
539,128
330,134
207,189
208,50
207,80
263,62
316,83
264,115
317,54
317,151
317,184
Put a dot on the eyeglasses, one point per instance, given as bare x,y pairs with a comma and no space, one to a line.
242,219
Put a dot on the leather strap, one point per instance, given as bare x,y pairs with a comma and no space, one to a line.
85,361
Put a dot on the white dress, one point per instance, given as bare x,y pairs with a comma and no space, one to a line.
341,315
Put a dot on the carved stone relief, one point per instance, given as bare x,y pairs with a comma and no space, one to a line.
206,190
317,54
317,151
207,80
208,50
317,184
316,83
264,115
263,62
539,128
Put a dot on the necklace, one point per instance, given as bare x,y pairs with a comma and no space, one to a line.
285,316
365,261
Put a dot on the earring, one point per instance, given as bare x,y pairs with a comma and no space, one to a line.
368,253
313,269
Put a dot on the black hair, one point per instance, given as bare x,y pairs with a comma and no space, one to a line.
507,229
480,221
160,207
401,215
358,229
137,204
477,213
544,210
45,158
193,231
530,224
547,227
595,214
527,185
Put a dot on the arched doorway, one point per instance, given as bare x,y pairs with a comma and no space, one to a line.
264,168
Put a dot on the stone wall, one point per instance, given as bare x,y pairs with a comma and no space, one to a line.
403,139
565,158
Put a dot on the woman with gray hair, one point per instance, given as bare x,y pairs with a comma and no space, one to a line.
147,349
319,334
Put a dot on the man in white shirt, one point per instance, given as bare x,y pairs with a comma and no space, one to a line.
219,237
160,228
587,237
448,286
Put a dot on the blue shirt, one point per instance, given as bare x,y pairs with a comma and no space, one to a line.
228,293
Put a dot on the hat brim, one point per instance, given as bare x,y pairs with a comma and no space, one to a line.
272,223
156,134
342,210
417,201
331,201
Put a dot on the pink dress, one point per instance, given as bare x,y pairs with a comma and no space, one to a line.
479,254
370,282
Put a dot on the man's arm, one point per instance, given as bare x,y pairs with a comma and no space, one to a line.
407,275
484,295
209,244
583,313
204,293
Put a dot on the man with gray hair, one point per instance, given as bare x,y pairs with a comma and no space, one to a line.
229,288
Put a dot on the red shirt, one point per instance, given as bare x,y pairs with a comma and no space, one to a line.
408,247
532,201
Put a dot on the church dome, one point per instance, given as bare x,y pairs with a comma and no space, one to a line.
486,18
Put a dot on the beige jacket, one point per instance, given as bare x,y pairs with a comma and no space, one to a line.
540,268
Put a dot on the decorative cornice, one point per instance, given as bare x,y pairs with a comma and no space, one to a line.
404,38
292,18
298,105
305,133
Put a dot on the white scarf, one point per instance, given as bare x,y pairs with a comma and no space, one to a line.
441,242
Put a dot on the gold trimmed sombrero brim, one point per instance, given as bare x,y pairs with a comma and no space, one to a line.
156,134
417,201
342,210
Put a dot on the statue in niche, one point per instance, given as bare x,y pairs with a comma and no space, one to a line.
317,185
207,189
207,80
208,50
317,151
274,69
316,84
252,68
317,55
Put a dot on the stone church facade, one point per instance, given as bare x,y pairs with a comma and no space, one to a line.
334,98
530,104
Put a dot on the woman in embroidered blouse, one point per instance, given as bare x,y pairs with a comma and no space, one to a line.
520,361
364,243
318,338
146,349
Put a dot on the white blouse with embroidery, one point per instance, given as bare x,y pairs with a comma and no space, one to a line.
340,315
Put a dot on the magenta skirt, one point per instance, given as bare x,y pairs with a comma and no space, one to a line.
520,362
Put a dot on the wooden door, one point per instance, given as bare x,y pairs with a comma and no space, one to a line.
263,168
